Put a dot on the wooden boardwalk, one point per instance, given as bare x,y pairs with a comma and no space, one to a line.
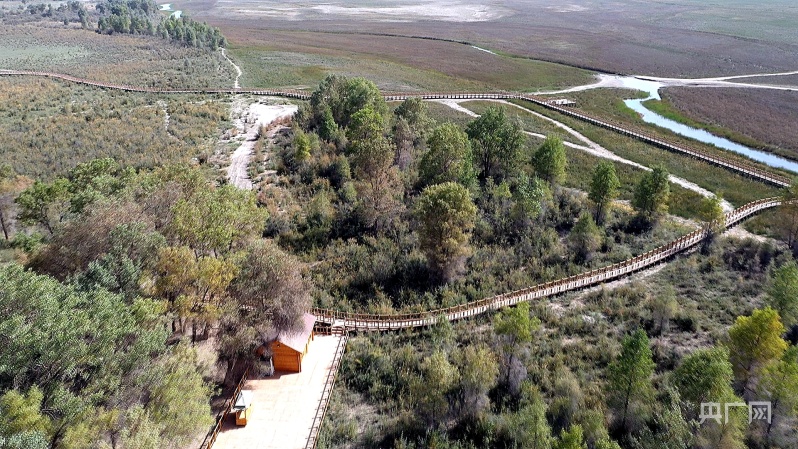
728,163
287,408
370,322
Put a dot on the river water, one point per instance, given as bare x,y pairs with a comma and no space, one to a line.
652,88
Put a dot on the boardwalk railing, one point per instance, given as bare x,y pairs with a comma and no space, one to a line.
321,410
383,322
728,163
210,438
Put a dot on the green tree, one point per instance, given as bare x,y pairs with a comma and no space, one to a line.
663,307
652,193
497,143
45,204
366,125
629,376
446,217
529,198
20,413
410,129
372,159
301,146
572,438
711,212
514,327
179,399
11,185
754,342
270,284
430,389
448,158
360,93
704,376
603,188
478,370
779,384
669,430
550,161
415,111
217,220
783,292
585,238
529,426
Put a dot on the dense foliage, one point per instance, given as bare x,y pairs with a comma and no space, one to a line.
134,267
142,17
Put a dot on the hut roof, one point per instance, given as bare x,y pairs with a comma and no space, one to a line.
298,340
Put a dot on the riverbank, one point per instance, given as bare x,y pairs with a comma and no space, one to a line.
652,86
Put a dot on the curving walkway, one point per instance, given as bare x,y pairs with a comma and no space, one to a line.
370,322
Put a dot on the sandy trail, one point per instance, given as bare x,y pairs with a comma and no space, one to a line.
590,147
166,117
236,85
249,123
653,83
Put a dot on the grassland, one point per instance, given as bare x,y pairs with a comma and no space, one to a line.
278,58
757,118
123,59
48,127
689,38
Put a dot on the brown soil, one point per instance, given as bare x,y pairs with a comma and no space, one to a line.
767,116
623,37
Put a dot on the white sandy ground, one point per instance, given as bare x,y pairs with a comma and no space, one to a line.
166,117
484,49
439,10
652,83
249,123
591,147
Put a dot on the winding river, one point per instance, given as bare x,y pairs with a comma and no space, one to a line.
652,88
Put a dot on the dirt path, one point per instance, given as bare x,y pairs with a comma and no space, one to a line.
165,108
723,81
652,83
236,85
249,122
589,147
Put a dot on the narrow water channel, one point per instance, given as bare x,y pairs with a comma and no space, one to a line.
649,116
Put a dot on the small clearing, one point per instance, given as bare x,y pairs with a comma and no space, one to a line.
249,122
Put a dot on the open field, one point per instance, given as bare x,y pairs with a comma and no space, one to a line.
47,127
685,38
755,117
785,80
116,59
275,58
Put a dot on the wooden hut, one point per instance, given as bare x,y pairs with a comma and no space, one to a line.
288,349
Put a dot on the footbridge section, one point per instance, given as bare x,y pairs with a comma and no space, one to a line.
350,322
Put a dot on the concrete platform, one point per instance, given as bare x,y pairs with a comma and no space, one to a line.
283,405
